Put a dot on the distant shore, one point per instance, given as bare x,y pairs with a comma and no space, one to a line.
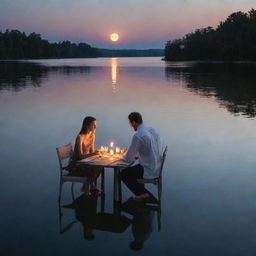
17,45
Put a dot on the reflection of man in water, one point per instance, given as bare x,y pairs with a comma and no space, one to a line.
142,223
85,210
142,226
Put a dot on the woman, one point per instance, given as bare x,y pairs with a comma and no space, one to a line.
84,147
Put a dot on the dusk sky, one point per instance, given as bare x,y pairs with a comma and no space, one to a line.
140,23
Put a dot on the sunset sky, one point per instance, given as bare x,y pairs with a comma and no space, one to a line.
140,23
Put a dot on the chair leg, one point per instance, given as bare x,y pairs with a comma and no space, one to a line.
159,185
72,191
60,191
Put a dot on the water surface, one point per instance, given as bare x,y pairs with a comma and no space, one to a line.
205,113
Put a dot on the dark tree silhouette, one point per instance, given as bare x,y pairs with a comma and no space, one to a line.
233,39
17,45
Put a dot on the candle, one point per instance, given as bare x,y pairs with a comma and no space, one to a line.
111,152
102,150
106,149
111,144
117,150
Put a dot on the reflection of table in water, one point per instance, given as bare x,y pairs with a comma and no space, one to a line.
109,161
86,212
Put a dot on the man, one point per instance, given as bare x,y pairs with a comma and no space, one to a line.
145,145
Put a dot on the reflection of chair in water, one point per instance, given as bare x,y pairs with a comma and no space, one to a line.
86,212
64,153
157,181
142,223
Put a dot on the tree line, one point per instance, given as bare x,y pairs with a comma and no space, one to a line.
17,45
234,39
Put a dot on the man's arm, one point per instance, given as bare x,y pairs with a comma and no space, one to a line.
132,150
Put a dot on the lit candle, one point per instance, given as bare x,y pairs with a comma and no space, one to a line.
106,149
117,150
111,144
111,152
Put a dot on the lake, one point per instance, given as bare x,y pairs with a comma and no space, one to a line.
204,112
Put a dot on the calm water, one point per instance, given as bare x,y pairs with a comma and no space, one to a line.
205,113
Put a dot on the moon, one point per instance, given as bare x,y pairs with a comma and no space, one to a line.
114,37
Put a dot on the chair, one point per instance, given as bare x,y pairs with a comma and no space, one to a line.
157,181
64,153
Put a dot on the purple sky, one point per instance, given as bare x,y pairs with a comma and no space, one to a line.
140,23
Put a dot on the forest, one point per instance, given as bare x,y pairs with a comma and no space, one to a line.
232,40
15,44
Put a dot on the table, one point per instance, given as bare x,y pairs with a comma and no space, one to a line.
109,161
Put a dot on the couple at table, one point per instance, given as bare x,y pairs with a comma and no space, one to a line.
145,146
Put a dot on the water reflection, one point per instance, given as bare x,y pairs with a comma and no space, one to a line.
208,183
85,211
142,222
233,85
85,208
16,76
113,70
114,63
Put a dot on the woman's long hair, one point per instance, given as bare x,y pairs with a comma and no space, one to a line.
87,121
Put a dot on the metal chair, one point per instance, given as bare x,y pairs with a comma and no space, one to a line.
157,181
64,153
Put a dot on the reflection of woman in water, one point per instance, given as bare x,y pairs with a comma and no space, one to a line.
85,211
142,226
84,147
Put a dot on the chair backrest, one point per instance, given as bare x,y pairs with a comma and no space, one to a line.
64,152
163,159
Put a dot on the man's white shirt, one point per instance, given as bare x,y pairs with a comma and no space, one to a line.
146,143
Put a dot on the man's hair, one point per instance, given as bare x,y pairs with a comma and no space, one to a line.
135,117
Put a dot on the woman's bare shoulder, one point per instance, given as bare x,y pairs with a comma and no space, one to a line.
79,137
82,137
